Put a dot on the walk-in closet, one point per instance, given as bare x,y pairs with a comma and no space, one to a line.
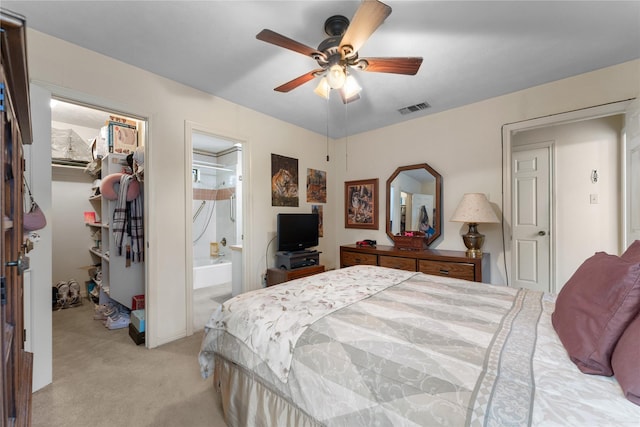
97,189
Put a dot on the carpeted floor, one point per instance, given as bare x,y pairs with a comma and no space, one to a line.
101,378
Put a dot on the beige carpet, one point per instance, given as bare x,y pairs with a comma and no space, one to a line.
101,378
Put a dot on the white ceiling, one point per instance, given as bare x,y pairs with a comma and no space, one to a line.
472,50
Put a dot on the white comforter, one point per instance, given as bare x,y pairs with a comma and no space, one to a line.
270,321
425,351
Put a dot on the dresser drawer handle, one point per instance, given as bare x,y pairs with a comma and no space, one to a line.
444,272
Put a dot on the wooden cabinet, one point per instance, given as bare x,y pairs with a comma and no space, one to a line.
430,261
280,275
16,364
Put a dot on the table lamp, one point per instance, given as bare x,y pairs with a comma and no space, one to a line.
474,209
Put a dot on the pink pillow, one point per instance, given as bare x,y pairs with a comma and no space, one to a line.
625,360
632,254
109,190
594,308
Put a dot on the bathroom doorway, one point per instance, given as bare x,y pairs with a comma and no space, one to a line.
216,222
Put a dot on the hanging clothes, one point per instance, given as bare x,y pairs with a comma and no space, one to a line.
128,220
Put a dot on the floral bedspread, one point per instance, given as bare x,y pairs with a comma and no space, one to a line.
263,319
428,351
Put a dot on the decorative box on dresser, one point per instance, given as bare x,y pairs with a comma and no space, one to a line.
430,261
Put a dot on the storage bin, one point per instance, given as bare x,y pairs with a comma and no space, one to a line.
137,319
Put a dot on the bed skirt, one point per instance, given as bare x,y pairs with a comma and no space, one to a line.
247,402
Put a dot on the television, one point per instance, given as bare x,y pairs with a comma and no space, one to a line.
297,231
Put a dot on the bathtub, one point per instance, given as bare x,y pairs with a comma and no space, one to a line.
210,272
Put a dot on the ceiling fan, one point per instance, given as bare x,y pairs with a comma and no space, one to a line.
339,52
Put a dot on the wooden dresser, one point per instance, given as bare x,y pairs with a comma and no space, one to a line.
430,261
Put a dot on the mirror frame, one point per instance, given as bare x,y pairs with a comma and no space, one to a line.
437,205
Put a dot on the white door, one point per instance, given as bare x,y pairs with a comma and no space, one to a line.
531,217
632,173
38,298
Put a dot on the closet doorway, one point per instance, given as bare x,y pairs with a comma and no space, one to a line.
214,222
583,203
46,180
98,251
89,144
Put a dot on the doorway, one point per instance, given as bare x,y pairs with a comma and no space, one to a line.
581,204
215,210
85,150
38,305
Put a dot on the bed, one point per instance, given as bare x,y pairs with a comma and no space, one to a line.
372,346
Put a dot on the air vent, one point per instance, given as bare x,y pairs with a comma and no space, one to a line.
413,108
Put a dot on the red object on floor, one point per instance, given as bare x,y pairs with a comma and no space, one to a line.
137,302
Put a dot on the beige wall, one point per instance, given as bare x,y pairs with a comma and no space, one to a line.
73,72
70,190
463,145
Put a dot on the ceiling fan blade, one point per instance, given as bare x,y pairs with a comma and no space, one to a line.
409,65
287,43
366,20
298,81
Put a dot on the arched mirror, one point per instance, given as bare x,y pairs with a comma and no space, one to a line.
413,201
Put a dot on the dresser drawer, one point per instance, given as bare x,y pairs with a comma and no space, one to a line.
398,263
355,258
456,270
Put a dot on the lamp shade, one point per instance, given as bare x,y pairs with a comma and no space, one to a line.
336,76
323,88
474,208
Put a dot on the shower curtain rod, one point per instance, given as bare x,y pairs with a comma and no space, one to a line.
211,166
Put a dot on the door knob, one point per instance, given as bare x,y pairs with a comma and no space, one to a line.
541,233
22,263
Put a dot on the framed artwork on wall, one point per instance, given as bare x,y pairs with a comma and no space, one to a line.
284,181
361,204
316,186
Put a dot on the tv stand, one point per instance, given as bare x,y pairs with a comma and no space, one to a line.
297,259
279,275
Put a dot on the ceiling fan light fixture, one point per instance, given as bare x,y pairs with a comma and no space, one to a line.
336,76
351,87
323,89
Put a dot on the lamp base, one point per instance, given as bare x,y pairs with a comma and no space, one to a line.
473,253
473,241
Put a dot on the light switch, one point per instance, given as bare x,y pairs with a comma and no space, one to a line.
594,199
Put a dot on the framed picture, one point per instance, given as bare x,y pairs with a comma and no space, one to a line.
316,186
284,181
361,204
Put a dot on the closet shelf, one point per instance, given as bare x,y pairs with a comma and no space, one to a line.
96,252
119,282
